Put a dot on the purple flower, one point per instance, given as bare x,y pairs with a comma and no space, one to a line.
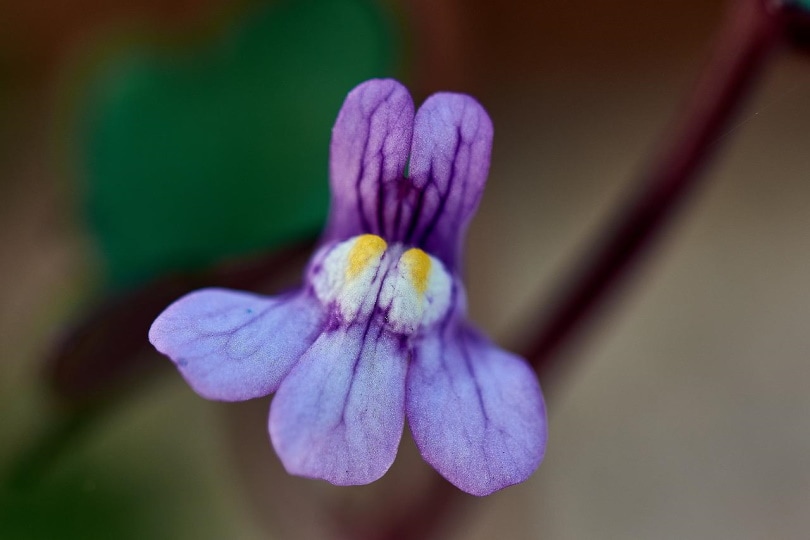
378,331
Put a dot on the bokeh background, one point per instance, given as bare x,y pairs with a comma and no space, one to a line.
144,138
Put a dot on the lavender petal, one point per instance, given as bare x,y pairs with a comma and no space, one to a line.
233,346
339,414
452,141
371,141
476,411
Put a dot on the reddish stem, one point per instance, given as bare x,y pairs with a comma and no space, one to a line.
107,349
748,34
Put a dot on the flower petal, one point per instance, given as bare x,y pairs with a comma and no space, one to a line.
452,140
233,346
339,414
476,411
371,142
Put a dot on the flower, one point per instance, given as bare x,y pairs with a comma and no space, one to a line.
378,331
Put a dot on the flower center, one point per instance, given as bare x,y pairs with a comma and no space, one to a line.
366,249
364,277
418,263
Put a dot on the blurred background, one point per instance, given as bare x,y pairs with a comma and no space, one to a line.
150,138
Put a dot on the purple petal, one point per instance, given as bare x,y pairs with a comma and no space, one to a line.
452,140
476,411
339,414
233,346
371,141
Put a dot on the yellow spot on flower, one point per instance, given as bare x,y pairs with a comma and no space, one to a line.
365,249
418,263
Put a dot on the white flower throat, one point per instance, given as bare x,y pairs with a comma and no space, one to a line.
363,274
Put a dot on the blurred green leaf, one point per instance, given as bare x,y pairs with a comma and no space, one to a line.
221,151
86,505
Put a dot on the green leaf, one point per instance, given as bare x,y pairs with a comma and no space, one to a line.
195,156
76,508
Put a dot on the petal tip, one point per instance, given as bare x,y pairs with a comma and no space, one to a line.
234,345
492,429
462,111
338,416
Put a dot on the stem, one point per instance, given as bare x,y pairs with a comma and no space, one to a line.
749,33
91,369
108,349
425,518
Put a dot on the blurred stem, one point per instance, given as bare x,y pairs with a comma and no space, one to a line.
749,33
747,36
98,364
107,351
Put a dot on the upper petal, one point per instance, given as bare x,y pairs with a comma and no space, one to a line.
339,414
231,345
370,145
452,141
476,411
411,179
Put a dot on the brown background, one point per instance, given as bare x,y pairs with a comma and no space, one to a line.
685,415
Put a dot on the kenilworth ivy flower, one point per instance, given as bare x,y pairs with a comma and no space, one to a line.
378,332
